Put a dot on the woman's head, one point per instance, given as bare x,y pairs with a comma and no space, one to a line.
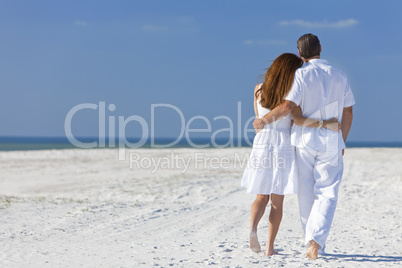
278,80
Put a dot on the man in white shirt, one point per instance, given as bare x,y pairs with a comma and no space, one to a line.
322,92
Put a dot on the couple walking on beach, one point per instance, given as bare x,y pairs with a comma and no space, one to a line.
303,157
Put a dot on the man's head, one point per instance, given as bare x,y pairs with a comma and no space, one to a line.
309,47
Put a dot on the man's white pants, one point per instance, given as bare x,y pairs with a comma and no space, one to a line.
320,175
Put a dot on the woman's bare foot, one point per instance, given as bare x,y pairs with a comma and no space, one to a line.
312,252
254,244
270,252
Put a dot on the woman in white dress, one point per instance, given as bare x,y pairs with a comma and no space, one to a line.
271,170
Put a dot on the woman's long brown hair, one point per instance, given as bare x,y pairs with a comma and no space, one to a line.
278,80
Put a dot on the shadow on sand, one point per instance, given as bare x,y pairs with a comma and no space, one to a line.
362,258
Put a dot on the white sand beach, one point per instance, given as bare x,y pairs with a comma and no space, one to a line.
85,208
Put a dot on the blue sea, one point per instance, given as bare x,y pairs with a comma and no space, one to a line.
49,143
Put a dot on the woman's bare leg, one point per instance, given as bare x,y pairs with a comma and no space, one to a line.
257,211
275,218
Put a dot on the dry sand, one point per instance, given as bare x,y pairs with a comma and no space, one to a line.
85,208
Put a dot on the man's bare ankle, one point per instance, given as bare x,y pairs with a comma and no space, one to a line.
312,252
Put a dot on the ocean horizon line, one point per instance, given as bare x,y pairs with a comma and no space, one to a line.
16,143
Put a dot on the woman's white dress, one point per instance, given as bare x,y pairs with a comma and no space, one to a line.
271,167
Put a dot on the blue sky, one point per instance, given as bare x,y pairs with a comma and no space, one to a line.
203,57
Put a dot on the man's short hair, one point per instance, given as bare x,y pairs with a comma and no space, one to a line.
309,46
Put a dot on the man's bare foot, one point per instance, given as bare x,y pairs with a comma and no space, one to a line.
270,252
254,244
312,252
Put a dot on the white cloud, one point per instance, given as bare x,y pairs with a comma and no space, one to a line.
323,24
264,42
80,23
153,28
181,24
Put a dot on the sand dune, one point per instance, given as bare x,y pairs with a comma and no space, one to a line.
182,208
